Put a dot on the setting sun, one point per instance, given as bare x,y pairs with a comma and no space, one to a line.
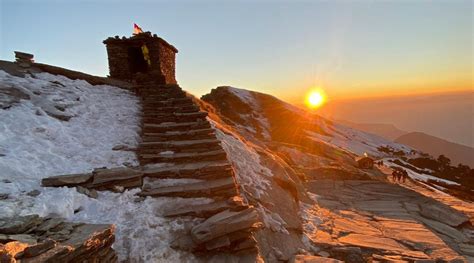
315,99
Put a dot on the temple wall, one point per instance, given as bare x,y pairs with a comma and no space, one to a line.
167,64
118,61
162,56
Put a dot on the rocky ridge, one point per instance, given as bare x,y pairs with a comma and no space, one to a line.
35,239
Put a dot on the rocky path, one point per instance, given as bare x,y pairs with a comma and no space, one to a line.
384,221
456,203
180,156
179,144
428,191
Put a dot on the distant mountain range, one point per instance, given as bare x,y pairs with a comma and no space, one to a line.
435,146
432,145
387,131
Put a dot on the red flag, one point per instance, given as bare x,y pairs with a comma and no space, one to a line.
136,29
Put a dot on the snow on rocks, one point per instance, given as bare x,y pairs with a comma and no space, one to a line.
417,176
247,97
34,145
40,145
356,141
251,174
272,220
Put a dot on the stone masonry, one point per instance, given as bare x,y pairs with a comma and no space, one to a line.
127,62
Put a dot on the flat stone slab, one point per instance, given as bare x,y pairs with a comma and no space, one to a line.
313,259
395,221
379,206
100,179
224,223
224,187
66,180
198,170
380,243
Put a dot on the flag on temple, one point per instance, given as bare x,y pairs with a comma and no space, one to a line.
136,29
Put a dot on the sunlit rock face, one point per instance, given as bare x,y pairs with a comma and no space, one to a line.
315,198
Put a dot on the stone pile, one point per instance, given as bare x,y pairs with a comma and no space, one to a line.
35,239
179,143
24,60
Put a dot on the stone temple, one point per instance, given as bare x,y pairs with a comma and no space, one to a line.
141,56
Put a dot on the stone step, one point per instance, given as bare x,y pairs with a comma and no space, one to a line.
100,179
224,188
164,96
180,146
168,102
225,223
104,179
180,149
157,113
154,90
173,126
160,87
184,143
161,93
173,117
216,155
206,210
179,135
176,150
197,170
170,109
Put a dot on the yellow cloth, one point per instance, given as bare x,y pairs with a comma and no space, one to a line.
146,54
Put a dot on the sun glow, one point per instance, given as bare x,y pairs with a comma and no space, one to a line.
315,98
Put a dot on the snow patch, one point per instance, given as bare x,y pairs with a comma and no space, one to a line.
251,175
246,97
35,145
272,220
417,176
353,140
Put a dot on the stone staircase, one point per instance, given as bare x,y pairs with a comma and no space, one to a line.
179,143
175,130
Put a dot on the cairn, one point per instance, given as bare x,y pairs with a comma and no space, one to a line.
24,60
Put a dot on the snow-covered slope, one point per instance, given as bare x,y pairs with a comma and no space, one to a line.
268,118
37,142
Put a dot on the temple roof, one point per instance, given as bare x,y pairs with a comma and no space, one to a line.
145,36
